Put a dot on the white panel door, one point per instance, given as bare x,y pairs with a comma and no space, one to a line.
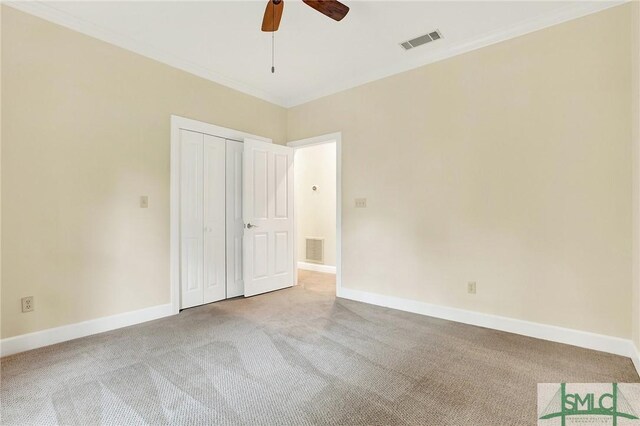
235,225
268,217
214,256
191,218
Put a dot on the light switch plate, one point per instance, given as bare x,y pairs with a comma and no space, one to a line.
361,203
144,202
471,287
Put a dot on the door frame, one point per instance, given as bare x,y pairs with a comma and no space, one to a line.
319,140
181,123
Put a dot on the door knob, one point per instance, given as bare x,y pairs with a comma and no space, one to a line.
249,226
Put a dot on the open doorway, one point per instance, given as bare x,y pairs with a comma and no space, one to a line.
316,194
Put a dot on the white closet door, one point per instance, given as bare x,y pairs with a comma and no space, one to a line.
268,213
191,218
235,225
214,219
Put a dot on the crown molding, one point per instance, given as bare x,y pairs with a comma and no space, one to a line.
573,11
576,10
49,13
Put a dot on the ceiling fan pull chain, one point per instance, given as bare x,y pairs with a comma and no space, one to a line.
331,8
273,42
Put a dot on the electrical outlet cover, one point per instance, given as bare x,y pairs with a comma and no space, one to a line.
27,304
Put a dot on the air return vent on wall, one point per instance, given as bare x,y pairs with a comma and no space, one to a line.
423,39
314,250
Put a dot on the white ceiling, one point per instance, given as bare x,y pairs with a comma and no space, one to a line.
315,56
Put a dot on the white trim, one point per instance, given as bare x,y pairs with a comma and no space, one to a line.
583,339
38,339
213,130
317,267
178,123
317,140
572,11
635,358
46,11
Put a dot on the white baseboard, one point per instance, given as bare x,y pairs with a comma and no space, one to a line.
636,358
598,342
316,267
38,339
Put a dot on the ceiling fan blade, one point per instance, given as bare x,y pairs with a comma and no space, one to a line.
272,15
332,8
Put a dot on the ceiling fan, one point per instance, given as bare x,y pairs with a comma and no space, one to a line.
273,13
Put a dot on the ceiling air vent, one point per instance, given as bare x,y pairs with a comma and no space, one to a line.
423,39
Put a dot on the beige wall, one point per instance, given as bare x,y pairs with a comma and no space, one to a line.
635,114
316,210
1,8
86,132
509,166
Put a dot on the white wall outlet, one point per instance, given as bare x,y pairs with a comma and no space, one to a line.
471,287
361,203
144,202
27,304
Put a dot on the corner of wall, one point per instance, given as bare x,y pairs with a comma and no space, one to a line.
635,141
1,7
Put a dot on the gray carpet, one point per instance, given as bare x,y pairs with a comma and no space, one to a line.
294,357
